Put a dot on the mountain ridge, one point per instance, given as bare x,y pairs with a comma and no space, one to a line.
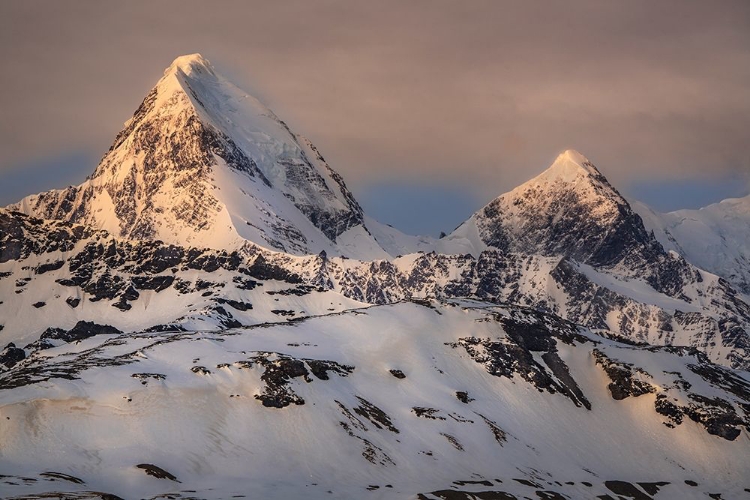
715,237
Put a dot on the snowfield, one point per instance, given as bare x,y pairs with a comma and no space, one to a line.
397,405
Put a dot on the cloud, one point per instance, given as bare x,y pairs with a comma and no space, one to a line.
482,94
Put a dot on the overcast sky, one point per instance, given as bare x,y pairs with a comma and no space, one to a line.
428,109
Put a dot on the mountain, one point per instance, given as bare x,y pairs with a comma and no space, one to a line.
715,238
202,163
568,242
565,242
571,210
216,295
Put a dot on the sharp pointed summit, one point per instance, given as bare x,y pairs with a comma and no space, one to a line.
571,168
569,165
569,210
189,64
203,163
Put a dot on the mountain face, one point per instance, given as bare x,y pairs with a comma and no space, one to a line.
214,278
571,210
202,163
715,238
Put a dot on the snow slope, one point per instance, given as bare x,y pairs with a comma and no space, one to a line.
383,402
715,238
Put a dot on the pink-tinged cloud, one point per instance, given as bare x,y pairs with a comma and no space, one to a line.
480,93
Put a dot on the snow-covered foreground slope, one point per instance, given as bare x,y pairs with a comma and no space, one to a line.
380,402
204,164
715,238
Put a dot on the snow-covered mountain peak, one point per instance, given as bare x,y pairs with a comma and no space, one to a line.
571,210
190,64
568,166
203,163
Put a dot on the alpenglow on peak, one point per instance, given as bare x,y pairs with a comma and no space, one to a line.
203,163
190,64
567,166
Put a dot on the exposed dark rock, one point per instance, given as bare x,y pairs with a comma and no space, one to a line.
429,413
283,312
156,283
497,432
625,489
398,374
61,476
717,415
226,319
526,482
157,472
513,356
73,301
122,305
183,286
245,283
166,328
236,304
82,330
624,382
37,369
203,284
280,369
663,406
145,377
467,495
653,488
11,355
263,270
463,396
52,266
453,441
21,236
320,368
375,415
722,377
39,304
372,453
299,291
